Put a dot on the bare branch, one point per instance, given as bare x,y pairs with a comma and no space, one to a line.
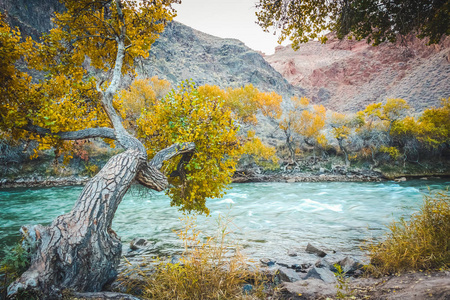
172,151
149,175
103,132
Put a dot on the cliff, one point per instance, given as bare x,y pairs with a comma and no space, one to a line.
347,75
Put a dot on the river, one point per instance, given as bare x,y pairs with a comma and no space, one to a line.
268,219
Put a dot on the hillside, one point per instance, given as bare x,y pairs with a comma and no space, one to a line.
347,75
185,53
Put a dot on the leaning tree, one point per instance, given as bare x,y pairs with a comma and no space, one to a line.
81,64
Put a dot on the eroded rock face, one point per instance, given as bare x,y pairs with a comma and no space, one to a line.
347,75
184,53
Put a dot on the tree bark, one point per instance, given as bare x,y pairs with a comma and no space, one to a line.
79,250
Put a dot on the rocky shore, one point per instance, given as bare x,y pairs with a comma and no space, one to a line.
43,181
340,174
312,274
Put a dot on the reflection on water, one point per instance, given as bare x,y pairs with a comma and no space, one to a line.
268,218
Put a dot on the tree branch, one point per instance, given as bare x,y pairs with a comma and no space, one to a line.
149,175
169,152
103,132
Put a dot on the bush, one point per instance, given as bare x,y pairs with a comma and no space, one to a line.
16,260
422,243
206,270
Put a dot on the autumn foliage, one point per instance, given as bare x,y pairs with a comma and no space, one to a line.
210,117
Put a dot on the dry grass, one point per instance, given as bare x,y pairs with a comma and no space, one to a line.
422,243
208,269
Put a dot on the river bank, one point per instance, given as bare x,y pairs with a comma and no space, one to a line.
241,177
341,175
313,276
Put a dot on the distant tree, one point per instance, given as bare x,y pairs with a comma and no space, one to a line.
429,133
378,21
311,122
341,128
290,123
390,113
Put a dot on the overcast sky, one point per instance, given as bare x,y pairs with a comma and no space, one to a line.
227,19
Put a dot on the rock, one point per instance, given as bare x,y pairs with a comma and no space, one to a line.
290,180
140,246
288,275
342,79
424,178
324,263
247,289
140,242
175,259
137,243
350,265
323,274
401,179
322,170
308,289
313,250
267,261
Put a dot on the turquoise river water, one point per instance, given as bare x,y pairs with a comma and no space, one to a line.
268,219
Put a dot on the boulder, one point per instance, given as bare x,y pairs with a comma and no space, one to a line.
140,246
308,289
288,275
350,265
267,261
325,263
313,250
323,274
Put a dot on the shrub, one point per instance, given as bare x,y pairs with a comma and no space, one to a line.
422,243
16,260
206,270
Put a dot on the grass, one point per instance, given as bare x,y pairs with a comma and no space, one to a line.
422,243
209,268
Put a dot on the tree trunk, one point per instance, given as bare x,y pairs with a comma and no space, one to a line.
79,250
341,145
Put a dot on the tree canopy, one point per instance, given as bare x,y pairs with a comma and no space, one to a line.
82,60
378,21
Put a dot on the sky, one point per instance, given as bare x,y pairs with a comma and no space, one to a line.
227,19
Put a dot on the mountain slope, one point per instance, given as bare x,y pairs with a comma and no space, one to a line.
185,53
347,75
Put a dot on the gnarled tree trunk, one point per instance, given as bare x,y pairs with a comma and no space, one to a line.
79,250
